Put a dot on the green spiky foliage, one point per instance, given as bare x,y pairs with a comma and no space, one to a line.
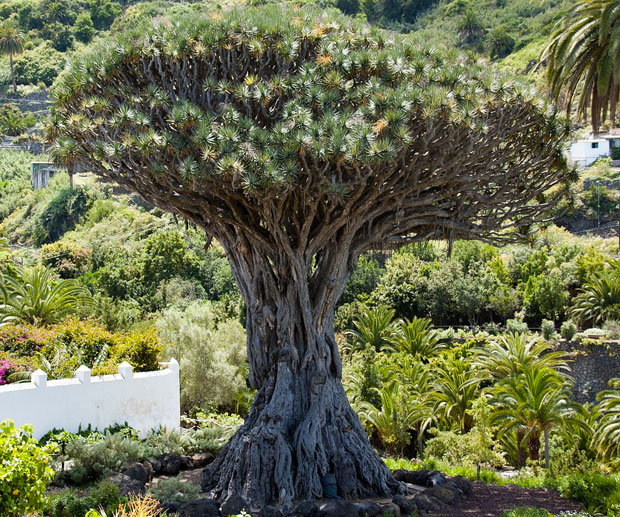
371,326
532,404
298,140
35,296
416,337
11,43
583,59
607,432
599,299
512,353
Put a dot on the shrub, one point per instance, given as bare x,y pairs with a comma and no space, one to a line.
568,330
70,504
67,258
174,490
547,329
612,328
40,64
24,471
526,512
212,355
516,326
592,489
13,122
60,215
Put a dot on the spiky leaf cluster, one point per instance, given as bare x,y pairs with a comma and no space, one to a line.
273,117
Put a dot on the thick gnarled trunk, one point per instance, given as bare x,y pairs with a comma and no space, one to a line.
301,426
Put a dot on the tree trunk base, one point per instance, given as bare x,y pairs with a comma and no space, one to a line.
282,453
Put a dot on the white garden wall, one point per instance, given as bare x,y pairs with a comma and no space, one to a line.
145,401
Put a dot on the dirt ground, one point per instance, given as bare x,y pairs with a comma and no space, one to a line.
493,500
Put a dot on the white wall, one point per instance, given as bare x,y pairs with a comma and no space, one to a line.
144,400
582,153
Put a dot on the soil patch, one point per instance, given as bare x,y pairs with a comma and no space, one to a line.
493,500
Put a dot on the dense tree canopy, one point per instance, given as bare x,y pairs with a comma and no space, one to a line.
298,141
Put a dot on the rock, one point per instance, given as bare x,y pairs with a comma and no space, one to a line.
415,477
426,503
441,493
149,470
186,463
464,484
233,505
201,459
117,478
338,508
270,511
137,471
169,508
155,464
407,506
200,508
369,509
170,464
452,486
435,479
390,509
306,509
131,487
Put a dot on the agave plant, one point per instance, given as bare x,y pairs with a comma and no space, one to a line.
372,327
607,433
415,337
35,296
599,299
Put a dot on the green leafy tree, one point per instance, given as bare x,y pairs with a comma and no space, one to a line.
299,141
24,470
546,296
582,59
11,43
84,29
103,12
34,296
470,27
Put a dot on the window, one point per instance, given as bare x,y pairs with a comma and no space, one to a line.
594,145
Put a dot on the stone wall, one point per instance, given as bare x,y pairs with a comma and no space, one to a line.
592,366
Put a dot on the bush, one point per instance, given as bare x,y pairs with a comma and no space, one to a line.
104,496
13,122
67,258
61,214
568,330
547,329
24,471
174,490
593,489
212,354
516,326
41,64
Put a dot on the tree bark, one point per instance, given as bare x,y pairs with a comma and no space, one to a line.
13,74
534,446
521,451
301,426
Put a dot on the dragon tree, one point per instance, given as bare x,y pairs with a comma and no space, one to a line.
298,141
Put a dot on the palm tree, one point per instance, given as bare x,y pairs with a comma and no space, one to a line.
457,386
34,296
607,433
392,420
512,353
531,404
599,299
372,327
415,337
11,42
470,28
584,56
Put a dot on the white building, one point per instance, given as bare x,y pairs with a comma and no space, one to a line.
587,150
